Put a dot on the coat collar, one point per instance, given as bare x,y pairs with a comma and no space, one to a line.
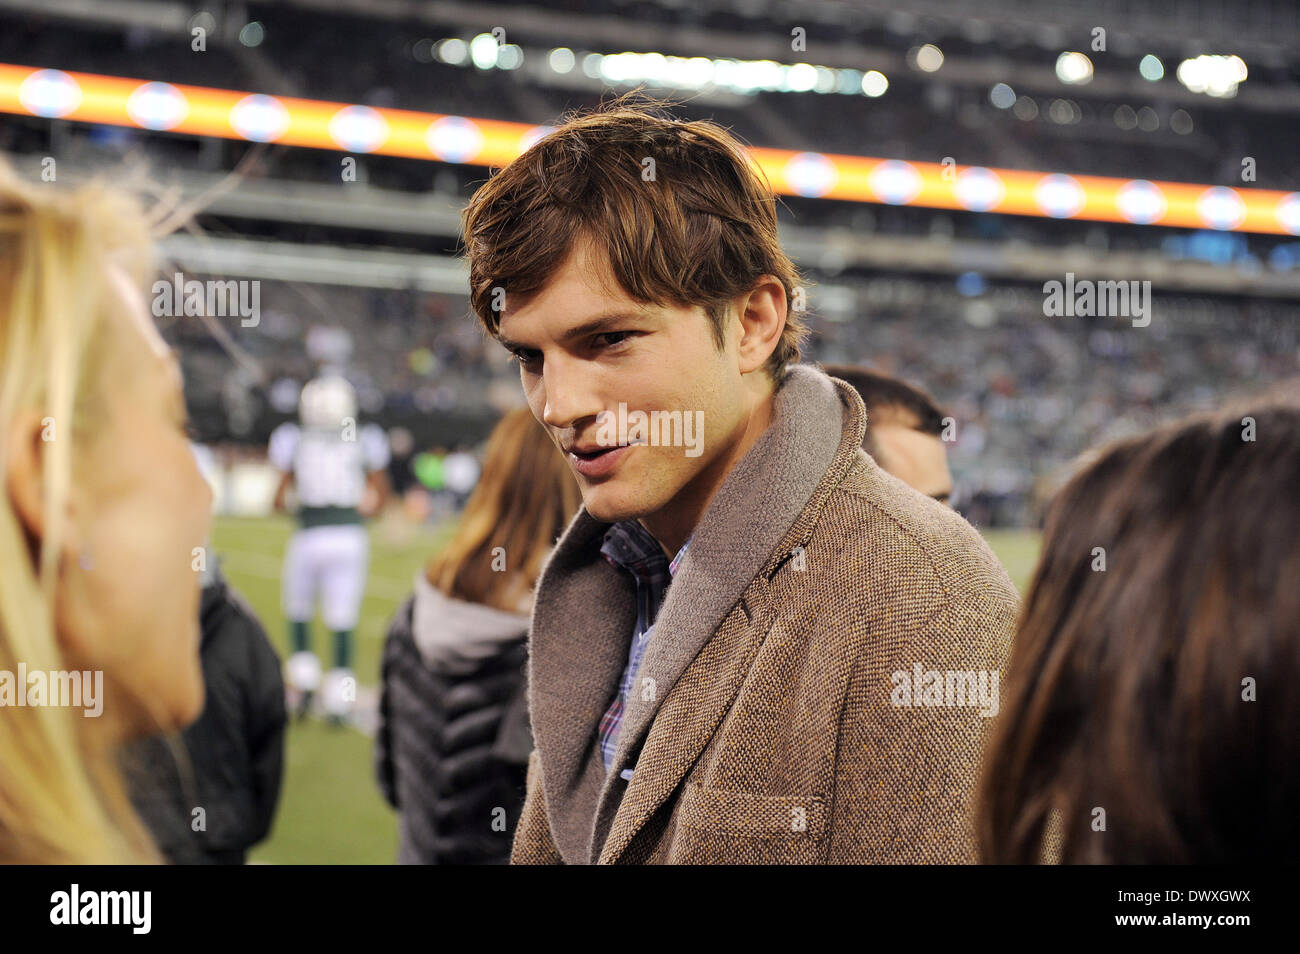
585,611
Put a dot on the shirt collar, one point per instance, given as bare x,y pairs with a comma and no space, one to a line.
630,546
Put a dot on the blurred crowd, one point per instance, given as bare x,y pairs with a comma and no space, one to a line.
1027,393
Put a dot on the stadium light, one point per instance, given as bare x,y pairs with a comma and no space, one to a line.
510,57
652,67
453,51
928,58
252,34
1002,96
801,78
562,59
483,51
1025,108
1151,68
745,77
697,71
874,83
1181,122
1073,69
1213,75
618,67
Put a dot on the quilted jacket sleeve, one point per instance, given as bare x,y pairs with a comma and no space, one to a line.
533,844
390,672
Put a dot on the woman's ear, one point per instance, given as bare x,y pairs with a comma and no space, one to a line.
24,478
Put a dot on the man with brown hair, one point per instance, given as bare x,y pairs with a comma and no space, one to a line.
904,429
717,638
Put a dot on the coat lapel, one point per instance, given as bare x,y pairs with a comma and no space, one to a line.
582,621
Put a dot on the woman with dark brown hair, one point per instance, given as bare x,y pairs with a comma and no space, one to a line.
1151,714
453,743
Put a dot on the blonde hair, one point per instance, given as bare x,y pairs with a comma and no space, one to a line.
61,799
524,500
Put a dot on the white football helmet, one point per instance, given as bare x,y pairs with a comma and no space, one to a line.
325,402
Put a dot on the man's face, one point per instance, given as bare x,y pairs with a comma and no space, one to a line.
584,347
914,457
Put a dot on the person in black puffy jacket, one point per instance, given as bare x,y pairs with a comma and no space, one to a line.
212,798
452,747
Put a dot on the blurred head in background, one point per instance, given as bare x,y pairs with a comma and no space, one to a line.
1159,646
904,429
524,499
102,512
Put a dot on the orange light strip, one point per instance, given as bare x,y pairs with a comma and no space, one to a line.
255,117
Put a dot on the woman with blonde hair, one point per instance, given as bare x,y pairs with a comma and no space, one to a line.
453,743
103,514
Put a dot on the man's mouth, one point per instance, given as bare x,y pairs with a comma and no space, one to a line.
596,461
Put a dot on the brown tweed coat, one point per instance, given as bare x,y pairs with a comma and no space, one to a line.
762,727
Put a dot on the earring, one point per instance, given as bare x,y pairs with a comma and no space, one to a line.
86,559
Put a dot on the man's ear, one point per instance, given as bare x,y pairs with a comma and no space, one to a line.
24,477
762,313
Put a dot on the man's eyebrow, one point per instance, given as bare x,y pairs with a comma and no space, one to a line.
586,328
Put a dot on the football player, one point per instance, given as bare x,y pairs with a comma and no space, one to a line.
337,471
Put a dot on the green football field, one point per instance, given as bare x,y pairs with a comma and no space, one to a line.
331,811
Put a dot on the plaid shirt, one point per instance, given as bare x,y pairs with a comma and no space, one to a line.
629,546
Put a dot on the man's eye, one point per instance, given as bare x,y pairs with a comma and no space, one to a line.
618,338
525,358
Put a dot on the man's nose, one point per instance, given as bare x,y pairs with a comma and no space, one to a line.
570,397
